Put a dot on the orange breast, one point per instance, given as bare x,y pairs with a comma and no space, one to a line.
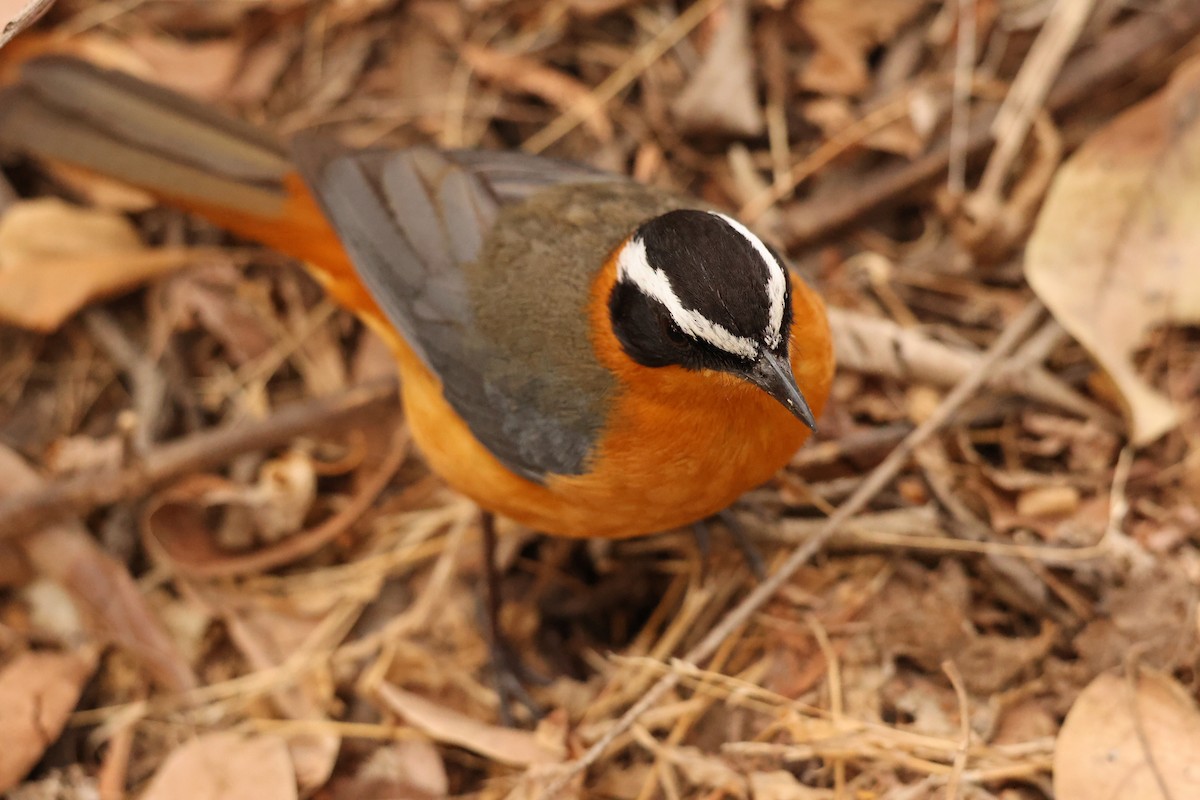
680,445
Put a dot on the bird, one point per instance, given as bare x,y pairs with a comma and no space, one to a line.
579,352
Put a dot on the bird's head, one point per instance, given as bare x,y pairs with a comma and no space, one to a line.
698,290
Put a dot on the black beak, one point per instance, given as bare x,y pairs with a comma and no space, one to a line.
774,376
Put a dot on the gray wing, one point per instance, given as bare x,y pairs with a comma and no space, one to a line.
414,223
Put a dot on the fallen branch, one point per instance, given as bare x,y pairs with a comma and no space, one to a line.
878,346
79,494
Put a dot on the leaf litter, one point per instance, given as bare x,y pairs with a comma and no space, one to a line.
1012,617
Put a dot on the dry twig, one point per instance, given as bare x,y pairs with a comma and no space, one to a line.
79,494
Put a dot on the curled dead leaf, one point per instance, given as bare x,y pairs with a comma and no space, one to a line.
176,524
1115,248
1129,740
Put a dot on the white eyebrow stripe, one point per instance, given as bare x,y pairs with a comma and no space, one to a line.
633,266
776,280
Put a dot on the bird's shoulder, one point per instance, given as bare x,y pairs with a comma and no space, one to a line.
483,262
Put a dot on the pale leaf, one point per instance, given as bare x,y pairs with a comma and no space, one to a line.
37,693
722,95
1115,249
506,745
226,766
55,258
1123,741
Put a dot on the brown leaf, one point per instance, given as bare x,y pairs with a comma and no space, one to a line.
268,635
215,297
1126,740
506,745
939,600
101,587
176,525
845,33
1115,247
1153,611
522,74
722,95
412,769
55,258
37,693
226,766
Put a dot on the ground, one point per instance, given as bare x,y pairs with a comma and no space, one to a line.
225,572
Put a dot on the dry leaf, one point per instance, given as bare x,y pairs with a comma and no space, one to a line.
1152,611
268,635
845,33
1115,247
506,745
522,74
177,527
37,693
101,587
17,15
1127,741
276,503
226,766
35,229
215,298
722,95
411,769
55,258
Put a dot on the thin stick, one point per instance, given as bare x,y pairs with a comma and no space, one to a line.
875,482
960,112
964,724
1027,95
624,75
78,494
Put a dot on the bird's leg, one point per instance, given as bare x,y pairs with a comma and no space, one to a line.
750,553
508,670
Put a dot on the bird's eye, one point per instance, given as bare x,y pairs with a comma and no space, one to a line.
671,331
